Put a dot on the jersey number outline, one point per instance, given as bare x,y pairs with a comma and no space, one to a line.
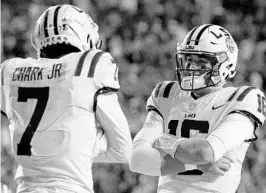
187,125
42,95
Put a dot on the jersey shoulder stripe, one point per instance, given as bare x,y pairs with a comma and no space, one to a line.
163,89
244,93
157,89
94,61
87,63
233,95
167,89
81,63
240,93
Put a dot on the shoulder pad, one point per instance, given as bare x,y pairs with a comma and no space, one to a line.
87,63
161,97
100,66
106,72
165,89
251,100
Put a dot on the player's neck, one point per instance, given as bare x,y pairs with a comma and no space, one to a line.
200,93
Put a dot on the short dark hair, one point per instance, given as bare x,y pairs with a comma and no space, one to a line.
57,50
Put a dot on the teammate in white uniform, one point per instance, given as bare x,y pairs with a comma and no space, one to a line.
197,132
58,105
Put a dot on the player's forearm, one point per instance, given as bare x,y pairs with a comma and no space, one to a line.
196,151
119,145
170,166
114,123
149,161
111,155
146,160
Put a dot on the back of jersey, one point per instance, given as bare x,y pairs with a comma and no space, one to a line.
49,103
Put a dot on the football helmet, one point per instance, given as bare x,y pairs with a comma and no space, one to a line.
207,57
66,24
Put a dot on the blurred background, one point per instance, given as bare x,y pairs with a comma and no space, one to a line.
141,35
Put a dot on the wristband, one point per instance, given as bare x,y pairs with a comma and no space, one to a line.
168,144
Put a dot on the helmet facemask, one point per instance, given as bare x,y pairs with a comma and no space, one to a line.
197,71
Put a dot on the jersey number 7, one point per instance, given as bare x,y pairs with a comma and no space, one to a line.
42,95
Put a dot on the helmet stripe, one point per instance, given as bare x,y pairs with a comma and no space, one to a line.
55,20
200,33
45,25
191,34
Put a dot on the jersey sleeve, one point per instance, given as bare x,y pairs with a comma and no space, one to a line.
114,123
106,73
161,98
3,79
251,102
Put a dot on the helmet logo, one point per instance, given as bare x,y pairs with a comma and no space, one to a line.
192,106
64,19
230,44
190,47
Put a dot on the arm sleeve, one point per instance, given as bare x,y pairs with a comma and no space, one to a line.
113,121
234,130
147,160
143,154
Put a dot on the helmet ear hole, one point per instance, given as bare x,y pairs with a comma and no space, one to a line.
91,44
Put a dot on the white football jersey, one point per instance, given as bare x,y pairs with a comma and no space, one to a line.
50,104
186,117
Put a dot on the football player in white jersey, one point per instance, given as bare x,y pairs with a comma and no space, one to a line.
197,131
58,105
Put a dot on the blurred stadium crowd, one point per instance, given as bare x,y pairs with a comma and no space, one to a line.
141,35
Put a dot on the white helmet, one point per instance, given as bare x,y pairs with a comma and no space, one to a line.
66,24
216,46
